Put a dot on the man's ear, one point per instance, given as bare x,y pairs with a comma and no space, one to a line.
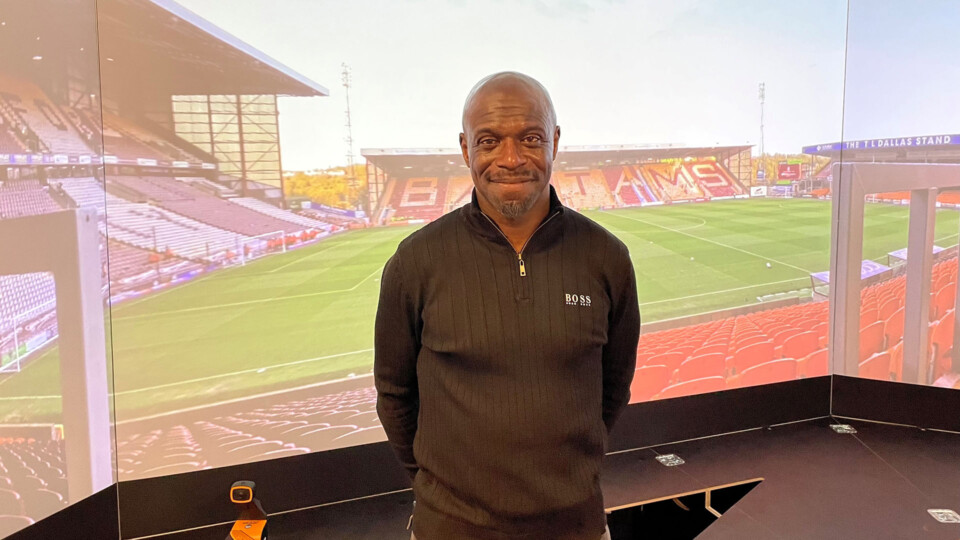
464,149
556,141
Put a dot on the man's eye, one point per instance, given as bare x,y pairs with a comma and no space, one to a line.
532,138
487,142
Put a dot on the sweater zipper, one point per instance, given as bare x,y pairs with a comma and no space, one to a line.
523,268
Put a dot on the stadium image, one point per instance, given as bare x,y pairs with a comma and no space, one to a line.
240,318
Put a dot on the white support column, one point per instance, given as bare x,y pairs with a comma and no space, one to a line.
846,252
83,360
916,329
67,244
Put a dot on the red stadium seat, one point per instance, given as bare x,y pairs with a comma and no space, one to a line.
888,307
784,369
893,328
649,381
671,359
871,340
877,366
823,332
12,524
896,361
751,355
868,317
808,324
42,502
10,501
942,345
800,345
696,386
944,300
750,339
815,364
704,365
721,348
781,336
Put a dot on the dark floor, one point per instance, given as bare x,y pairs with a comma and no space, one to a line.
876,484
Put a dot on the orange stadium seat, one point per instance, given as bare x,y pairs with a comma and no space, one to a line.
815,364
896,361
800,345
751,355
877,366
704,365
942,345
784,369
696,386
868,317
648,381
944,300
888,307
871,340
893,328
671,359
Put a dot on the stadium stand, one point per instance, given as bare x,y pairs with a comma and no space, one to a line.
32,480
736,348
128,139
8,141
191,202
627,186
459,189
283,215
157,229
583,189
130,264
670,182
25,198
279,430
414,199
32,108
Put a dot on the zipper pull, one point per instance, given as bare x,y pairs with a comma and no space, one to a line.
523,269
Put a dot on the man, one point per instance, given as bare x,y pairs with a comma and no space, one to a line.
506,340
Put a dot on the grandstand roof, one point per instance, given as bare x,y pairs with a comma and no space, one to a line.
394,159
163,45
921,148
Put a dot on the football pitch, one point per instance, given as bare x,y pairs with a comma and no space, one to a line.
306,316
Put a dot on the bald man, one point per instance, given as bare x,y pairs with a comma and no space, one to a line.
506,340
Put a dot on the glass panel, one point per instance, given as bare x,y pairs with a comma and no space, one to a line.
248,309
56,374
894,113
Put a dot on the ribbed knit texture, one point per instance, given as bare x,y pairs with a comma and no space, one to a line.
496,390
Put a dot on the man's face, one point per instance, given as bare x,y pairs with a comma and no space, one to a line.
509,142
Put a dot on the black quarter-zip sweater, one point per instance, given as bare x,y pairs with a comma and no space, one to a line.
500,374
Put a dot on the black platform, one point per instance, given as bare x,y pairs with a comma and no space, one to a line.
876,484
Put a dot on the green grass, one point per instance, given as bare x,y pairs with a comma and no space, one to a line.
307,315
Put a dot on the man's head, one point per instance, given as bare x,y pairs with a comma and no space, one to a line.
510,139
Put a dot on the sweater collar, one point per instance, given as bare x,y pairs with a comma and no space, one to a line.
487,228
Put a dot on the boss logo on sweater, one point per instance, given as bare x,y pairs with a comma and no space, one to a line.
578,300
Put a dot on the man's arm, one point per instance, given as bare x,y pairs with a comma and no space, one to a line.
623,334
396,345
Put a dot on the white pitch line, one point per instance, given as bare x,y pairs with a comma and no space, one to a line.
723,291
301,259
757,255
248,302
241,372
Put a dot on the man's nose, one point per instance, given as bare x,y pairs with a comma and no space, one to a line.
510,156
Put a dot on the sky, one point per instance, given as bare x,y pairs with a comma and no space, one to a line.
619,72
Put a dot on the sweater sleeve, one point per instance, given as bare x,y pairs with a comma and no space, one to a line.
623,334
396,346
